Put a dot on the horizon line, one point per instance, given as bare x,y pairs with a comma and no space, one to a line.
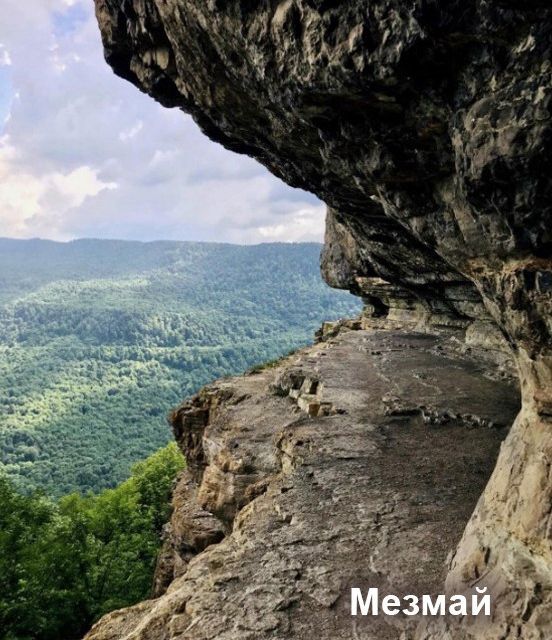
158,241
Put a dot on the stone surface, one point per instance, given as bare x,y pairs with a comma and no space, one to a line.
425,125
426,128
363,493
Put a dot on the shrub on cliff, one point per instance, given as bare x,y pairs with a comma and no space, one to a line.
64,565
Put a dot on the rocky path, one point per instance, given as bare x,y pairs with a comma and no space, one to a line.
355,462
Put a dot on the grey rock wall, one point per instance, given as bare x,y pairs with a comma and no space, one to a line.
425,126
355,462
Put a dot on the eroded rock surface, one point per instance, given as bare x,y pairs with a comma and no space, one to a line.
424,125
426,128
356,462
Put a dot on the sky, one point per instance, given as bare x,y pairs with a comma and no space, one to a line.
84,154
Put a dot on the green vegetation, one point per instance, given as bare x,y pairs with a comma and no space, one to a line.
64,565
269,364
99,339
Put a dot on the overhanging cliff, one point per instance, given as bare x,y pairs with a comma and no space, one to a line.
426,128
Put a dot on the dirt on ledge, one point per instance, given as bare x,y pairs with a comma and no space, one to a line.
355,462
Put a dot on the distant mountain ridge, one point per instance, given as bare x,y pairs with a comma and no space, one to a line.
100,338
90,257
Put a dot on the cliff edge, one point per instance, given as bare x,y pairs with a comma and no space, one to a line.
426,128
353,463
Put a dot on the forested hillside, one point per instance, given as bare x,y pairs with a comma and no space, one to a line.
99,339
64,564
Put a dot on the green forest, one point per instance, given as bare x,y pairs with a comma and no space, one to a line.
100,339
64,564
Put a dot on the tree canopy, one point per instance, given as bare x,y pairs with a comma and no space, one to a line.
64,564
100,339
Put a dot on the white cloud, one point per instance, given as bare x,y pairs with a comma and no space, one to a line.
128,134
35,204
301,226
75,132
5,58
78,185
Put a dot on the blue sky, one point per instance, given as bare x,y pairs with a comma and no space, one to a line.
85,154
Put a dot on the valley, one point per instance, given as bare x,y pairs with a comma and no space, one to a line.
100,339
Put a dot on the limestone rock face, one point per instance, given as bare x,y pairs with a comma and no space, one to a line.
425,125
330,471
426,128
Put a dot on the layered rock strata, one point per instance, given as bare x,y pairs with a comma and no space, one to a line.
426,128
355,462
